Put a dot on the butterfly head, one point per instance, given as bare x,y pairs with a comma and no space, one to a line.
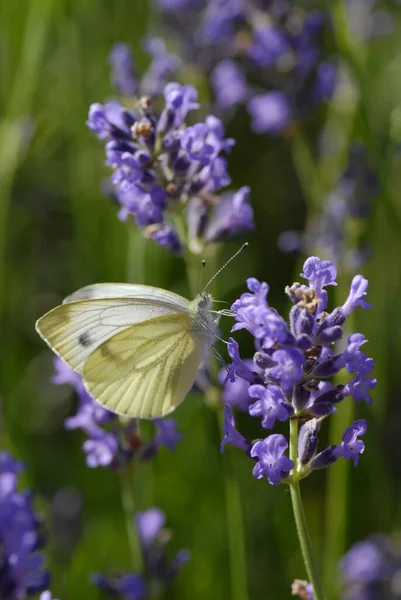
201,315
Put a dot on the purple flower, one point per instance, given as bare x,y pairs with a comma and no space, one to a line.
229,84
149,523
64,374
319,273
22,568
271,460
193,140
354,359
351,447
109,119
240,368
181,99
288,369
123,70
167,434
269,45
166,237
231,435
233,215
364,563
159,570
164,64
271,112
358,291
129,587
325,83
271,405
100,450
359,388
250,307
235,392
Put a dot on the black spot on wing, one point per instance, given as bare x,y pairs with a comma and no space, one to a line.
84,339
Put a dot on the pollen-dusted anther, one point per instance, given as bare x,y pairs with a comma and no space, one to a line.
301,588
142,127
302,296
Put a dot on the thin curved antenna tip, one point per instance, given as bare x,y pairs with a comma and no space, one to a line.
245,245
203,265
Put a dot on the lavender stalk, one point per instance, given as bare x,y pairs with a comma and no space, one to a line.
300,519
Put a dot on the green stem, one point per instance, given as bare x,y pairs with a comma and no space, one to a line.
132,532
300,520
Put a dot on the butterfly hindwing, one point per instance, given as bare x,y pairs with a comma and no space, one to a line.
75,329
146,370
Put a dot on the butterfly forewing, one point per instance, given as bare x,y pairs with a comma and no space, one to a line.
147,369
75,329
128,290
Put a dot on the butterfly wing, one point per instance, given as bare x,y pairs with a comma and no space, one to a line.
75,329
127,290
146,370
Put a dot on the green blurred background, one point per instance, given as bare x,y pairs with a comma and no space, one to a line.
58,232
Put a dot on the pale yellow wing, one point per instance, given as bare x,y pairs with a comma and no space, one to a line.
74,330
146,370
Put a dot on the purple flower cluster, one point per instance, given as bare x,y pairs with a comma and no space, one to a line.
111,443
165,171
370,569
22,570
159,570
289,377
265,54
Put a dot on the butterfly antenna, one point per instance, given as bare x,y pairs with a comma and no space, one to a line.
225,264
203,265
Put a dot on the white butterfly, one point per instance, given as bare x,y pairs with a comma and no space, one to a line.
137,347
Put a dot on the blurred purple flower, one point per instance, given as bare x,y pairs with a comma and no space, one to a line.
229,84
271,112
149,523
123,76
159,569
117,447
22,570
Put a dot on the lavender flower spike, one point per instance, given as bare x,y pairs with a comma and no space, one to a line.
292,367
